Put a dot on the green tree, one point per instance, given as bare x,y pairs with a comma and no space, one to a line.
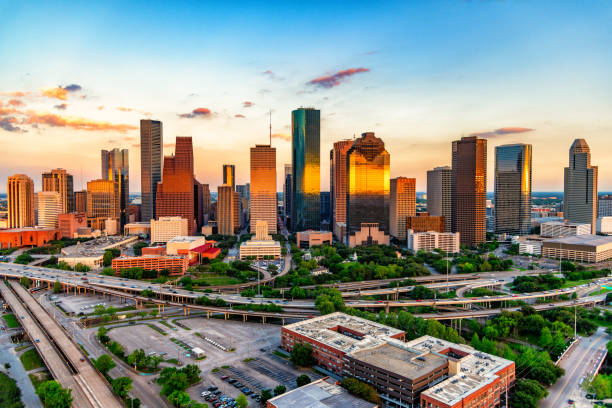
266,394
301,355
53,395
25,282
10,394
361,389
57,287
79,267
302,380
137,359
545,340
527,393
241,401
279,389
179,398
104,364
99,310
154,361
121,386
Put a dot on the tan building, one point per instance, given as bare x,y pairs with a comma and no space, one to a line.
309,238
225,210
80,201
580,248
423,223
49,205
166,228
338,186
70,223
402,204
369,234
102,202
261,245
20,196
431,240
59,180
263,186
323,393
182,245
137,228
439,194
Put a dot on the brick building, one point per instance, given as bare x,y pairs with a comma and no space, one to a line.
176,264
70,223
423,222
22,237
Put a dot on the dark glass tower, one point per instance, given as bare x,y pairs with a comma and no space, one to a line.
116,167
306,159
151,151
513,189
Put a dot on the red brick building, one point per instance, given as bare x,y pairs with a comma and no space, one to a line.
423,222
177,265
23,237
69,223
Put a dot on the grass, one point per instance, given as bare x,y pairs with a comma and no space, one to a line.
221,280
31,360
84,351
214,370
569,284
601,291
279,354
200,358
172,361
39,378
157,329
25,346
11,320
246,360
165,323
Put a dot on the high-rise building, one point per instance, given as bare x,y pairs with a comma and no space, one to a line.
198,203
237,211
325,208
225,213
306,172
263,187
513,189
287,195
49,205
175,196
20,196
604,206
116,167
337,169
244,190
368,184
402,204
580,192
151,152
439,194
60,181
206,200
469,189
102,202
80,201
229,175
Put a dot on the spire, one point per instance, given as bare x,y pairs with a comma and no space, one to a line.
270,127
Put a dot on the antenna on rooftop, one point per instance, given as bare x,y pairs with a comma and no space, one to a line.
270,127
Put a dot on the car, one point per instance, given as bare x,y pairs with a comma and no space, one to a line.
225,377
37,340
231,380
514,295
570,401
212,388
474,298
205,393
419,300
217,392
379,301
82,359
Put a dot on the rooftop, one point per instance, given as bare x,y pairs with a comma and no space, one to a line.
149,256
261,243
323,393
26,229
96,247
186,239
585,239
566,223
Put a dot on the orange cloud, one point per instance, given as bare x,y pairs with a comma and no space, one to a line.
34,118
59,93
282,136
329,81
123,109
197,113
18,94
16,102
238,115
247,104
100,107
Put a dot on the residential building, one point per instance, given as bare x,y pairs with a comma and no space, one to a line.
322,393
27,237
20,201
580,186
151,152
49,205
60,181
116,167
369,234
80,201
225,210
70,223
263,187
229,175
102,202
431,240
553,229
306,170
513,189
310,238
402,204
579,248
604,225
423,223
165,228
368,185
338,184
439,194
604,206
469,189
176,264
261,246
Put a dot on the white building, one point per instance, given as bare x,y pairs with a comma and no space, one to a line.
166,228
530,247
261,245
49,208
604,225
430,240
555,229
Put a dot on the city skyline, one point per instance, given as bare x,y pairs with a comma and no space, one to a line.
396,83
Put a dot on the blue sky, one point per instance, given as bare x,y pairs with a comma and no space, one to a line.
432,72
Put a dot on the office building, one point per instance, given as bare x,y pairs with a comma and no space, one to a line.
322,393
151,152
165,228
261,246
580,186
325,209
263,187
579,248
116,167
102,202
287,185
49,205
555,229
60,181
402,204
71,223
338,185
368,234
422,222
439,194
175,194
229,175
80,201
469,189
310,238
512,210
368,184
27,237
225,210
20,201
244,190
237,211
206,200
306,171
429,241
604,206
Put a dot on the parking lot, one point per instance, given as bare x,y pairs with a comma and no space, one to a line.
85,304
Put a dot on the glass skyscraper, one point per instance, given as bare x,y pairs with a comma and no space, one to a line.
151,152
306,171
513,189
580,186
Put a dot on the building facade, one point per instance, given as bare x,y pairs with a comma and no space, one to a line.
70,223
20,200
115,166
555,229
60,181
513,189
263,187
429,241
580,186
80,201
579,248
287,194
261,246
338,184
402,204
49,208
151,152
176,264
165,228
229,175
102,202
469,189
604,206
439,194
28,236
310,238
423,223
369,234
306,170
225,213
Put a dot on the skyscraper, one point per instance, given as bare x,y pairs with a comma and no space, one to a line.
237,211
102,202
225,213
287,195
49,208
60,181
151,151
513,189
175,194
469,189
80,201
20,196
306,172
206,200
263,187
580,186
337,168
229,175
368,184
116,167
439,194
402,204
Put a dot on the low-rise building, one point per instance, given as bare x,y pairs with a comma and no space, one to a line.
530,247
137,228
554,229
70,223
429,241
369,234
310,238
261,246
91,253
194,247
165,228
604,225
176,264
580,248
27,236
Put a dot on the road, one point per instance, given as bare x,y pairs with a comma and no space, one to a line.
17,372
577,364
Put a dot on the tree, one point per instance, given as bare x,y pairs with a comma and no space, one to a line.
280,389
302,380
53,395
137,359
179,398
57,287
10,394
301,355
104,364
121,386
266,394
79,267
99,310
545,340
527,393
153,313
154,361
241,401
25,282
361,389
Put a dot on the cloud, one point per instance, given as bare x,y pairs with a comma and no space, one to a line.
7,124
502,131
329,81
282,136
16,102
197,113
73,88
136,145
247,104
238,115
123,109
17,94
100,107
34,118
61,106
61,92
7,110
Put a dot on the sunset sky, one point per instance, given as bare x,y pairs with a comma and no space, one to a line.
77,78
